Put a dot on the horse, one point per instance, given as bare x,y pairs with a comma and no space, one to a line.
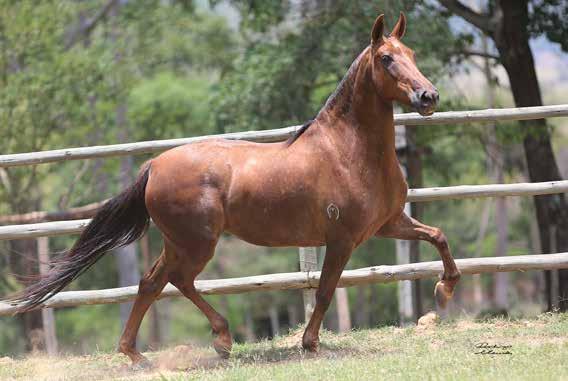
337,182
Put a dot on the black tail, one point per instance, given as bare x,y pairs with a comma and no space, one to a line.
120,221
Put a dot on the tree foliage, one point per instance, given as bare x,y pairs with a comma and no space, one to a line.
285,73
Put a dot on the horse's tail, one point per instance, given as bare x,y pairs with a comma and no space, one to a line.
119,222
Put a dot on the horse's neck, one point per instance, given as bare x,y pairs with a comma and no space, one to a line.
358,111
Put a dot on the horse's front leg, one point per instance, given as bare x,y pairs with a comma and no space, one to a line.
336,257
407,228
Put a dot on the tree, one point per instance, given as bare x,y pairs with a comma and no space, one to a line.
296,53
511,24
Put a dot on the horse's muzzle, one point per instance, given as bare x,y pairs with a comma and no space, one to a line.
425,101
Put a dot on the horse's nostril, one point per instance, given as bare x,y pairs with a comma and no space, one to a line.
425,97
429,97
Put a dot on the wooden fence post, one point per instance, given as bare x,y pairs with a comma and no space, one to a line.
47,314
405,294
308,262
554,281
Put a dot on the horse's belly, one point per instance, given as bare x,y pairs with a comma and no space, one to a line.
276,237
266,222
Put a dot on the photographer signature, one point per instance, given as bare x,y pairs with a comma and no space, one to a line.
485,348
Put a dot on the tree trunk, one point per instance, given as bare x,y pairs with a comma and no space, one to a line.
512,41
250,335
476,278
23,262
274,321
126,257
496,164
501,279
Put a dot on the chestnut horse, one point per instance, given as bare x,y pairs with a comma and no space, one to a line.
336,183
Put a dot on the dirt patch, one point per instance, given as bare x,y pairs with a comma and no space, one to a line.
186,357
293,340
6,360
428,321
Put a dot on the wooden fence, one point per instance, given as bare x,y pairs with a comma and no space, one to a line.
409,119
55,228
308,279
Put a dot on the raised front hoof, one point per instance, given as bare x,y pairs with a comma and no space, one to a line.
222,347
443,293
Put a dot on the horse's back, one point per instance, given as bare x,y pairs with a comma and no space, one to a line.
256,191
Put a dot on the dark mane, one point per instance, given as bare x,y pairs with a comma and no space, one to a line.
341,96
299,133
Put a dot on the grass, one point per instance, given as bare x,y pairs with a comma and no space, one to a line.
447,351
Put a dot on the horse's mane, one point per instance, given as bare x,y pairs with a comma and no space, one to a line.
299,133
335,98
345,84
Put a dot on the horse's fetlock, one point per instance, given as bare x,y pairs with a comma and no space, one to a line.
220,325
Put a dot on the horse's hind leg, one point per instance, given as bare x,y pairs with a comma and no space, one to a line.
405,227
192,259
149,289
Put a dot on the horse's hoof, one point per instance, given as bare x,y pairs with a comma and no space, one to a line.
442,294
310,345
223,349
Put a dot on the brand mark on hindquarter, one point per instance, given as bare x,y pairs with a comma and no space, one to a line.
333,212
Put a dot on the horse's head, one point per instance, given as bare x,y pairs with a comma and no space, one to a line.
394,69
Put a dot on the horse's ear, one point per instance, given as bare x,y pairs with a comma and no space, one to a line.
377,32
400,27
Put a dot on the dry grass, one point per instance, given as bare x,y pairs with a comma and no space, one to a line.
445,350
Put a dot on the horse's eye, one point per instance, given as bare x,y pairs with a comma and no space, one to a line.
386,60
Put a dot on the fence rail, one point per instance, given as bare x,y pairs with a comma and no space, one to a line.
303,280
48,229
409,119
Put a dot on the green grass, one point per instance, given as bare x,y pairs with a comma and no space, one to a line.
446,351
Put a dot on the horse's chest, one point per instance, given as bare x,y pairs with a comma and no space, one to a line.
367,206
